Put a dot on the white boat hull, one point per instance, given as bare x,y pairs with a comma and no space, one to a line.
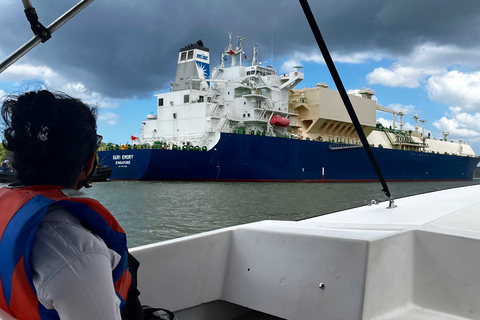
417,261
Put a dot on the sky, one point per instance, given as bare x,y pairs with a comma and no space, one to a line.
419,56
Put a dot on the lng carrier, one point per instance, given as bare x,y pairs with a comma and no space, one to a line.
245,122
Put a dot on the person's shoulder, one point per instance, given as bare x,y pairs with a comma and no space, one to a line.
64,233
63,249
61,239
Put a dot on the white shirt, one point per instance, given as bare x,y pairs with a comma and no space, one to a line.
72,269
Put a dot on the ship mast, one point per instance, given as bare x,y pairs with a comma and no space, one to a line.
416,117
254,58
401,114
445,135
233,52
423,128
240,49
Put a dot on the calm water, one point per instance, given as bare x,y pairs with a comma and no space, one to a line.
155,211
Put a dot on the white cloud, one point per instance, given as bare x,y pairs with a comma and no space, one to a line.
460,125
108,118
108,104
357,57
456,89
398,76
18,73
407,109
434,58
3,95
385,122
77,87
425,61
299,58
410,71
455,128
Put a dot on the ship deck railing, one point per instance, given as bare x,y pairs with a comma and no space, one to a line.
342,146
402,138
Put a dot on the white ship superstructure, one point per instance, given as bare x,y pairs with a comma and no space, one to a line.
241,97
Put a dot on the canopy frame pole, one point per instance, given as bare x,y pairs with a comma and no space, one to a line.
41,34
346,101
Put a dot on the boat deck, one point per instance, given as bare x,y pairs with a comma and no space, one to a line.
417,261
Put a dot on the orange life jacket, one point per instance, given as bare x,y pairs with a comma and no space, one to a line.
21,211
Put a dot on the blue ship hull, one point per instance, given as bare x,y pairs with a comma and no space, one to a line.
238,157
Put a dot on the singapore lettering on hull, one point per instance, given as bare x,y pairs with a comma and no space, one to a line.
122,160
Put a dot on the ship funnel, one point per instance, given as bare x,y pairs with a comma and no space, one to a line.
193,63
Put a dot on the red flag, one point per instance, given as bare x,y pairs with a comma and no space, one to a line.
231,51
133,138
245,56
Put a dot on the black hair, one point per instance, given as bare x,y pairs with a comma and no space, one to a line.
51,136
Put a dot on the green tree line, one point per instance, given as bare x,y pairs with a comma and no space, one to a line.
4,154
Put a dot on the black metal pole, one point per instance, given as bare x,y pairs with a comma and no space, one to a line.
343,93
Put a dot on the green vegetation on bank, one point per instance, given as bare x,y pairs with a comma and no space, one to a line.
3,153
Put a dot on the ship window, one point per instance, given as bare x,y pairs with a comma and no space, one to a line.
186,98
248,115
183,56
190,55
244,115
160,102
201,99
248,73
244,103
228,92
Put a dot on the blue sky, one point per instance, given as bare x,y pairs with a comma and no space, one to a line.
418,56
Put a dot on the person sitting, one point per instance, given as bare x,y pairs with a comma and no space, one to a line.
64,256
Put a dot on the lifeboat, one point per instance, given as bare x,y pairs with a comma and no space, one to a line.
279,121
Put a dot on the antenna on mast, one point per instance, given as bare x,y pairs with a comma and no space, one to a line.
272,52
